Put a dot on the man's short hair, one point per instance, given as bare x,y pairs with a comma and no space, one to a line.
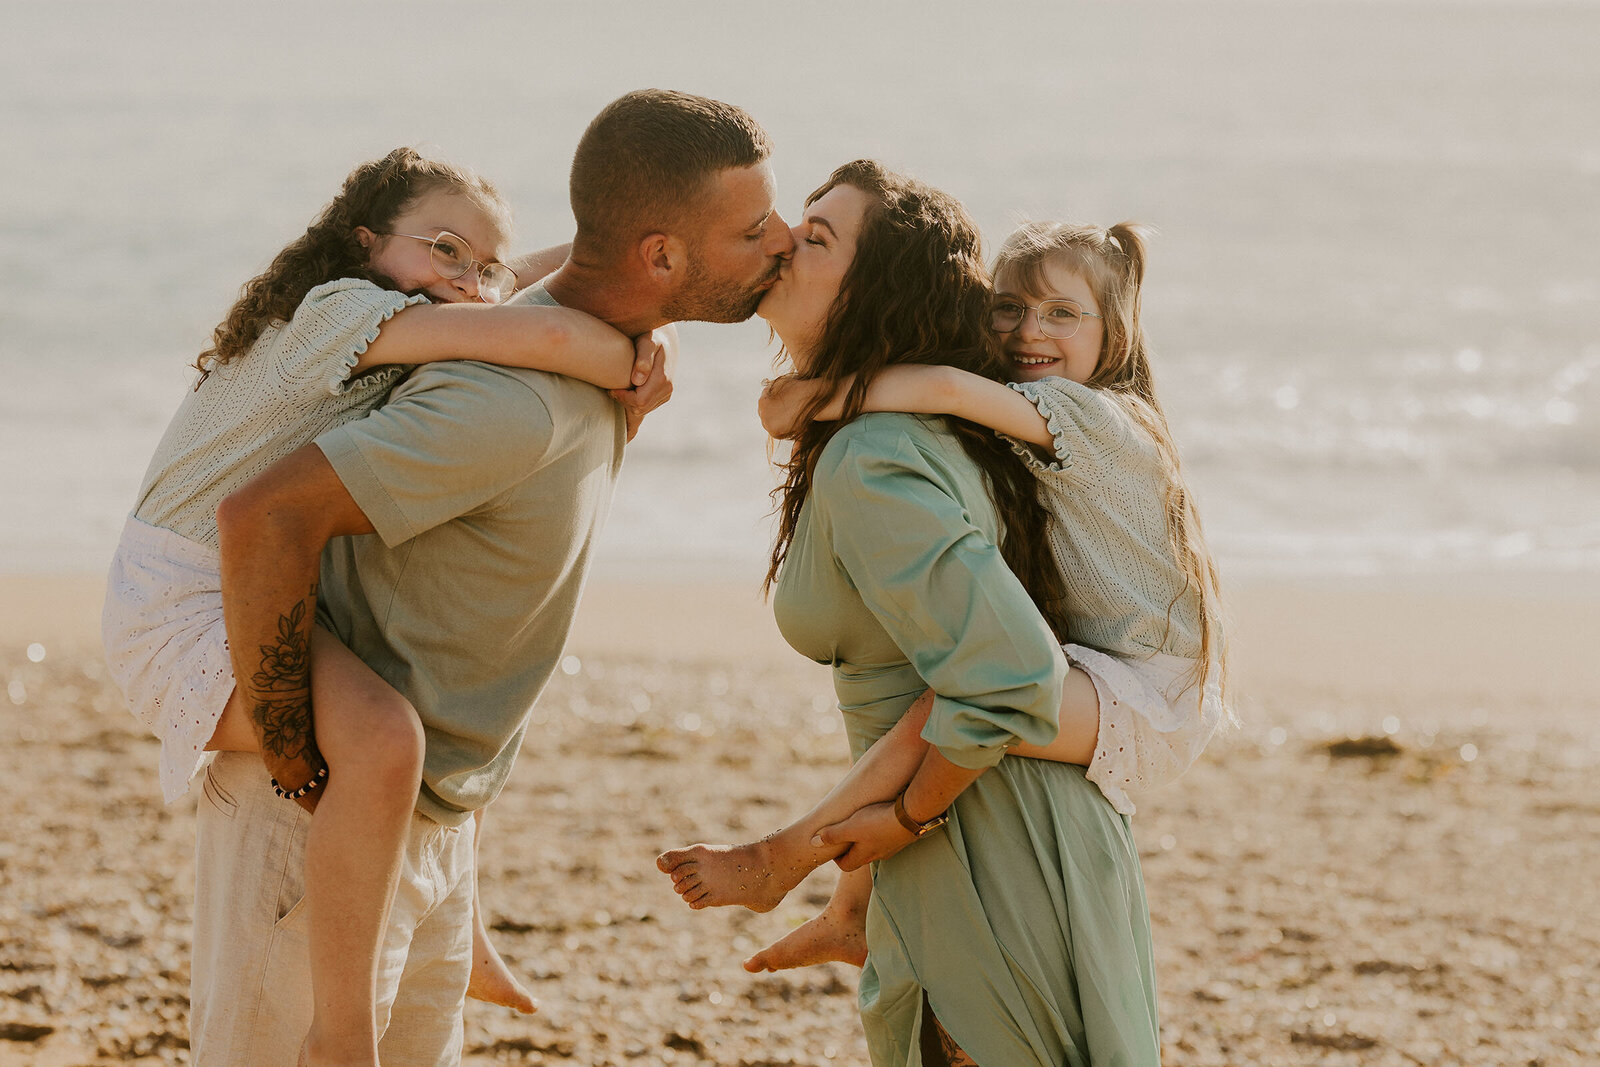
644,161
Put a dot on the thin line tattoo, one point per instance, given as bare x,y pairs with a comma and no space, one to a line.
282,690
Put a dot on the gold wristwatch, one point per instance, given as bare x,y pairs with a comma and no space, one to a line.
918,829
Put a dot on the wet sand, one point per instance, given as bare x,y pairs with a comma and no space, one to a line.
1424,895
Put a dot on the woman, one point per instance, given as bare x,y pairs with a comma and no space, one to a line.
1016,932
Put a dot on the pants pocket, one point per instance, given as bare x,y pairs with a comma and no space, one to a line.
219,797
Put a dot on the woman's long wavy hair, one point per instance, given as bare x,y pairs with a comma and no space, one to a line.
1112,260
917,292
374,195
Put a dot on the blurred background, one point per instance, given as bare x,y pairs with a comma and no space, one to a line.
1375,293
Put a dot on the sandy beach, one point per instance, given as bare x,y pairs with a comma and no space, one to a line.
1391,862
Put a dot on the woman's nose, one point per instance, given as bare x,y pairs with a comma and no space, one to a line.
467,284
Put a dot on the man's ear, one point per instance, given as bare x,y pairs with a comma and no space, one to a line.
665,258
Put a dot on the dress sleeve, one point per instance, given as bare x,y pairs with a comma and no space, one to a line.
450,439
1084,423
330,330
938,585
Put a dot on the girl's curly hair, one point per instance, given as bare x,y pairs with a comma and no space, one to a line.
374,195
917,292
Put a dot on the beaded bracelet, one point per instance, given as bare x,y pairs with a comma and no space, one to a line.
296,794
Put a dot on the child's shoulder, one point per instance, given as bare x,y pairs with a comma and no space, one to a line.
354,293
1084,406
1084,422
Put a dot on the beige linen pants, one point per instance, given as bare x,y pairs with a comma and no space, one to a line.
250,981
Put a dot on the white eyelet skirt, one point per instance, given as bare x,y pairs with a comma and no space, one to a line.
166,644
1153,724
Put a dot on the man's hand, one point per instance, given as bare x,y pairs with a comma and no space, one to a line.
873,833
654,367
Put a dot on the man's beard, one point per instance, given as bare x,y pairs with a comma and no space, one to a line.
702,299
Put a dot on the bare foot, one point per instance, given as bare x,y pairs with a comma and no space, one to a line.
491,980
715,876
835,935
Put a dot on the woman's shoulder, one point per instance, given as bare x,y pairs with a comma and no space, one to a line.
886,433
887,444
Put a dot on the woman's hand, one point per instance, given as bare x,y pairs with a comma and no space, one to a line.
873,833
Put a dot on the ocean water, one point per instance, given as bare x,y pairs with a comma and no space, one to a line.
1375,295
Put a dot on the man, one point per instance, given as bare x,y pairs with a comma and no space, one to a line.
485,487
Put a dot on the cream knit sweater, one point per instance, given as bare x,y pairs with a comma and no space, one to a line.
1105,490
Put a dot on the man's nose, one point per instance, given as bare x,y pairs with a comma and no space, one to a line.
780,239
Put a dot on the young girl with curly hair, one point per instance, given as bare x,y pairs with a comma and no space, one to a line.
404,266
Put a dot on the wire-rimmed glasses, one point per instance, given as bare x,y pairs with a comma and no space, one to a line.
451,257
1059,319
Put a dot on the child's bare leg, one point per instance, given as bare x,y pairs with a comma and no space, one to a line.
372,740
839,933
491,981
1080,725
760,874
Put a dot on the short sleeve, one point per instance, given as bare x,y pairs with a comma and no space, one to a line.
451,438
1082,422
331,329
938,585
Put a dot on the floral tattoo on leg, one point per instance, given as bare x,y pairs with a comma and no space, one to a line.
281,689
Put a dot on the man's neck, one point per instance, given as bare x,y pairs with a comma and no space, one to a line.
585,287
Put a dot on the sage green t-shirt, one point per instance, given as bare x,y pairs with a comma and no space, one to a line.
487,487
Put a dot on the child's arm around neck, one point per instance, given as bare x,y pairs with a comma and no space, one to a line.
555,339
916,388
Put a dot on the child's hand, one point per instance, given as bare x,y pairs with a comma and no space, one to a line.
655,364
782,400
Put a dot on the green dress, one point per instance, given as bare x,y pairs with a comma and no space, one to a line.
1024,919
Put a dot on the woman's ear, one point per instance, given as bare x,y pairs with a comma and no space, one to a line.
365,236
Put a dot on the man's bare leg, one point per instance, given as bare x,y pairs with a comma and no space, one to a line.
838,934
759,875
492,981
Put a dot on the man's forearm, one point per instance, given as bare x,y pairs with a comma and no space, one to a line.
269,578
271,533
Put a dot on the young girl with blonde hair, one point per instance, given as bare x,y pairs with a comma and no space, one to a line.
404,266
1143,606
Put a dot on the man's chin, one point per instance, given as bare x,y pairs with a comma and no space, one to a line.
725,313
